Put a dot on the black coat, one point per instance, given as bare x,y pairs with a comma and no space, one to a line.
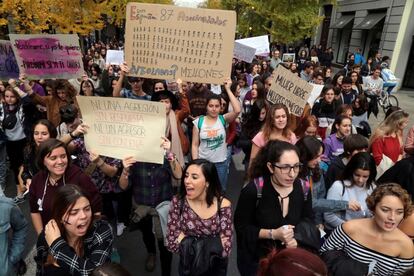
253,214
402,173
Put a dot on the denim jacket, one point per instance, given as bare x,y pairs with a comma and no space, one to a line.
319,202
11,220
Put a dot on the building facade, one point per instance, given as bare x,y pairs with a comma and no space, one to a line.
384,26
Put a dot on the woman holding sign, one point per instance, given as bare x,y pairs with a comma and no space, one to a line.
209,133
15,120
62,95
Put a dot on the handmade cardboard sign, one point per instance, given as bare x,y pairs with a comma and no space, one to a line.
170,42
8,63
48,56
120,127
290,90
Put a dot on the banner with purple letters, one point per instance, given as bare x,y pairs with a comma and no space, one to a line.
48,56
8,64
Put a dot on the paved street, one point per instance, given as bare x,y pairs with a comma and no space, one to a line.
130,245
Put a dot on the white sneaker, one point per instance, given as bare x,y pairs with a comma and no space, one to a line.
120,226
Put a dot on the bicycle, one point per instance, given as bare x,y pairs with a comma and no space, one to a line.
386,101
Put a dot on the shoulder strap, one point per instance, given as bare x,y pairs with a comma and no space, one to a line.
223,120
259,182
343,187
200,122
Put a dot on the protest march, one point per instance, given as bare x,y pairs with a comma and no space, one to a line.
228,153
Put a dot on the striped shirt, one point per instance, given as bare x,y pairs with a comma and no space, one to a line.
385,264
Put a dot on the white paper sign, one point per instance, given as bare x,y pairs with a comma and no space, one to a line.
316,91
260,43
114,57
244,52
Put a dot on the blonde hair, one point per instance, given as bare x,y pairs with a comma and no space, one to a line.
389,126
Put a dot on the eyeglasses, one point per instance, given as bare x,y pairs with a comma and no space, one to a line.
286,169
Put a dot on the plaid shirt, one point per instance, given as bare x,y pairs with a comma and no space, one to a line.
97,251
126,93
104,183
151,183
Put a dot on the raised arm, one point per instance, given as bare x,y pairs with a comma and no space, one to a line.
118,87
232,115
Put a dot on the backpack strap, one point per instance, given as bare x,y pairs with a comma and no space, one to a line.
343,187
200,122
223,120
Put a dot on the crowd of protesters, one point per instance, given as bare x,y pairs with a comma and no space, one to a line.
321,191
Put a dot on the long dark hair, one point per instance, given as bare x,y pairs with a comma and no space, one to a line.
210,174
270,153
46,148
31,146
363,161
338,121
252,125
309,148
90,83
63,201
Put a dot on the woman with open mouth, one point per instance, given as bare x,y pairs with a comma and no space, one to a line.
200,211
375,245
72,243
56,170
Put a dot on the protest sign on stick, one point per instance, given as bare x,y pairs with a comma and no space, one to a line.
8,63
290,90
120,128
170,42
244,52
48,56
114,57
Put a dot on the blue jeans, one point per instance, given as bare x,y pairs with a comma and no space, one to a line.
222,171
390,86
3,167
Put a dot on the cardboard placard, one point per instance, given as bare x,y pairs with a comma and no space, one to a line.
120,127
244,52
170,42
290,90
260,43
114,57
8,63
48,56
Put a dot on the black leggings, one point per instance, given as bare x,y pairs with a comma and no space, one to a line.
145,225
15,153
123,205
